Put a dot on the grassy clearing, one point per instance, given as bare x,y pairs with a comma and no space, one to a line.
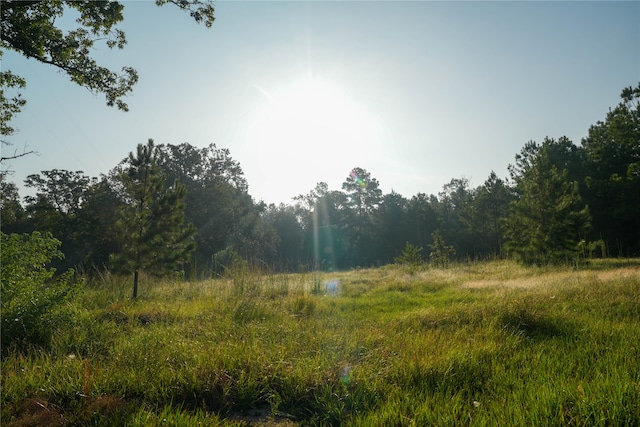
477,344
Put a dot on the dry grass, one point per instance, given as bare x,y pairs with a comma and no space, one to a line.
554,279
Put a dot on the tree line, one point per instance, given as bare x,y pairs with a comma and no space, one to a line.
187,210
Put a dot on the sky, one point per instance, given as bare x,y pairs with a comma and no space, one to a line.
417,93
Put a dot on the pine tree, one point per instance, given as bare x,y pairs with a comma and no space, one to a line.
549,219
441,254
151,225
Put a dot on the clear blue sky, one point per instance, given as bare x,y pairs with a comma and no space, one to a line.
417,93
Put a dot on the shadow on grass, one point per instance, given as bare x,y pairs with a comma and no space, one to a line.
464,377
534,326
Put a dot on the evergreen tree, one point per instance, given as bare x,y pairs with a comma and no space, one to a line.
441,254
151,225
393,229
454,209
490,209
612,166
364,196
422,217
548,219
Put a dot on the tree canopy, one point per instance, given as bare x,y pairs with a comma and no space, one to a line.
560,203
31,28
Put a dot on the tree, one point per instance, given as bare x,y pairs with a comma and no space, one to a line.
454,210
95,233
12,214
490,210
392,225
331,220
56,207
217,203
325,215
612,168
62,189
548,219
364,196
441,254
411,256
9,106
31,28
151,225
363,191
422,217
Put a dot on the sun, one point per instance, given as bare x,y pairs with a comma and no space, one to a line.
312,114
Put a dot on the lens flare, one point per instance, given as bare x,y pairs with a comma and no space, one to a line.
345,375
359,181
332,286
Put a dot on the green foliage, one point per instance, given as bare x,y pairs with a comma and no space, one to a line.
228,262
9,106
63,190
35,302
364,196
441,254
151,225
612,175
485,219
541,215
549,219
411,257
31,29
394,229
12,214
57,207
216,189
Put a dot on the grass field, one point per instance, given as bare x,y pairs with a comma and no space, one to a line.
476,344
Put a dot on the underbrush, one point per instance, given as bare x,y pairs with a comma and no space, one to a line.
476,344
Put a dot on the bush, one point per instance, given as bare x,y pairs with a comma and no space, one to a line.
34,302
228,261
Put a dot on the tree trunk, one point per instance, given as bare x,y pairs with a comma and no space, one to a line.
135,284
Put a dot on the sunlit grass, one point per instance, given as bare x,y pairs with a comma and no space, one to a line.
476,344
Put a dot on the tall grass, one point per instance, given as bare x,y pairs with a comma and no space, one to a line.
476,344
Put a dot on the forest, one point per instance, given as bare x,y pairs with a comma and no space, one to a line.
186,211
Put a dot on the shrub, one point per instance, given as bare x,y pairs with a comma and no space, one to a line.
228,261
35,303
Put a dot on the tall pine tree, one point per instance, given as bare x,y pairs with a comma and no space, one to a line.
151,226
612,152
549,218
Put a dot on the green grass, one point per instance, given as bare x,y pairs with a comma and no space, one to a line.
476,344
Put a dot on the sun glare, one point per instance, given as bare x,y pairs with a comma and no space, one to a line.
312,114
